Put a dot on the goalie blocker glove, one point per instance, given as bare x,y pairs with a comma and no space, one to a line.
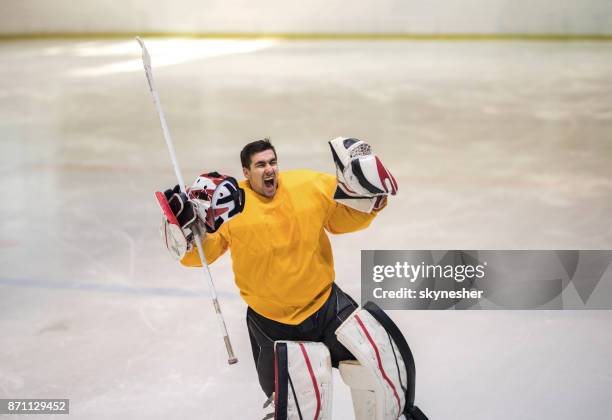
363,181
212,200
178,218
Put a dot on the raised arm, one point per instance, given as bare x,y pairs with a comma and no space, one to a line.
343,219
215,245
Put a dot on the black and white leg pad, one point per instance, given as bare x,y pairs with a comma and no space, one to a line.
383,377
303,377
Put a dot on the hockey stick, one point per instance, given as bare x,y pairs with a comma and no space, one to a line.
146,60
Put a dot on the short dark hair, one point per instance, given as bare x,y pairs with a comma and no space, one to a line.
252,148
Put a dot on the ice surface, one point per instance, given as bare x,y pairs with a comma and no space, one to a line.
495,146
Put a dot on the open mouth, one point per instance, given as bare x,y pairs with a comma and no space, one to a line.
269,182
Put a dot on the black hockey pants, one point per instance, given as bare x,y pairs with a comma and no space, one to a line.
320,326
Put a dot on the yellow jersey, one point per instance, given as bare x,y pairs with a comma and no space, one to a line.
281,255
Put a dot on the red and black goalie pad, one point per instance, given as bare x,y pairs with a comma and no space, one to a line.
303,381
281,379
411,411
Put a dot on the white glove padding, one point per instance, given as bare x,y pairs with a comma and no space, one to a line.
179,217
362,204
212,200
363,180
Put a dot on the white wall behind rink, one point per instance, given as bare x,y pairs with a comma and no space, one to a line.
312,16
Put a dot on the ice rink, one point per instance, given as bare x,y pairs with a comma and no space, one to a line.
495,145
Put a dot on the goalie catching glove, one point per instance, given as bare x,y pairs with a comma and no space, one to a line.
363,181
212,200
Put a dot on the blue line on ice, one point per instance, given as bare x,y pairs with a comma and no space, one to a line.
113,288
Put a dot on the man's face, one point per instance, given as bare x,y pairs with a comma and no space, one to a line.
262,173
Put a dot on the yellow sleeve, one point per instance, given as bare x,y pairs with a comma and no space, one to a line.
215,245
343,219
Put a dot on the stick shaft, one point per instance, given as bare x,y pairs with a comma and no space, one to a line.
228,344
198,238
169,143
